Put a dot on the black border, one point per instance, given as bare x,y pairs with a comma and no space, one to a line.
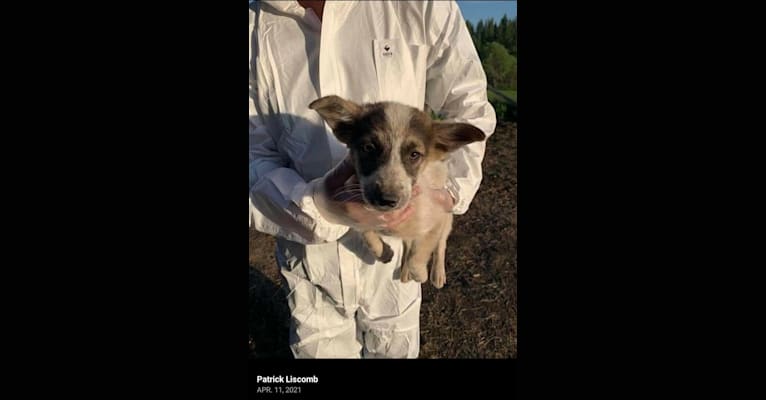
144,113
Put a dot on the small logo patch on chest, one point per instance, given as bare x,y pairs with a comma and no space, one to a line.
387,52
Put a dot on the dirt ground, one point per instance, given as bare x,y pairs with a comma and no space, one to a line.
473,316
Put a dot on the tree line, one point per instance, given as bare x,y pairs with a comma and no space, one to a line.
496,43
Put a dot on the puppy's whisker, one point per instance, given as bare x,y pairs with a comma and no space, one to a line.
350,190
343,193
353,197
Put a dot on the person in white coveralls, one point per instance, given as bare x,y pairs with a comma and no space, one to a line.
344,305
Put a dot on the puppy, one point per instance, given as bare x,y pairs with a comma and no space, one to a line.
393,147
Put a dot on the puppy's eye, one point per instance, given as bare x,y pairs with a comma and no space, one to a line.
368,147
414,156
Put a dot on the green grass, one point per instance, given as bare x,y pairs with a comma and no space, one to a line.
507,92
510,93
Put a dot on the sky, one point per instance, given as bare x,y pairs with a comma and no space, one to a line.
474,10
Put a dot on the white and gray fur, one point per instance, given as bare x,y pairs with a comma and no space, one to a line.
393,147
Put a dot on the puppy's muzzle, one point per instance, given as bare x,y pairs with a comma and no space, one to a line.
381,200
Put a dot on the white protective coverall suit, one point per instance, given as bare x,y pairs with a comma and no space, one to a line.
343,303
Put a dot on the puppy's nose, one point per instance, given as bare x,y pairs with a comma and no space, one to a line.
388,201
383,200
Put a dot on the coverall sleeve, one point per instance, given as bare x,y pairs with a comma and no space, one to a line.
456,88
281,201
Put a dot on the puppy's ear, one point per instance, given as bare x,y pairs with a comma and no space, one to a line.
449,136
339,113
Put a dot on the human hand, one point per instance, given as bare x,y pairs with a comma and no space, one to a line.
341,192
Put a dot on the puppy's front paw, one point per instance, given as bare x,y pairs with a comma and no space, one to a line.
405,275
438,278
387,254
419,273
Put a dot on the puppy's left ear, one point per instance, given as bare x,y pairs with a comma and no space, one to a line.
335,110
452,135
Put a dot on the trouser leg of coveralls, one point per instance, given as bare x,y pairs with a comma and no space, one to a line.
318,329
343,307
320,325
388,317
